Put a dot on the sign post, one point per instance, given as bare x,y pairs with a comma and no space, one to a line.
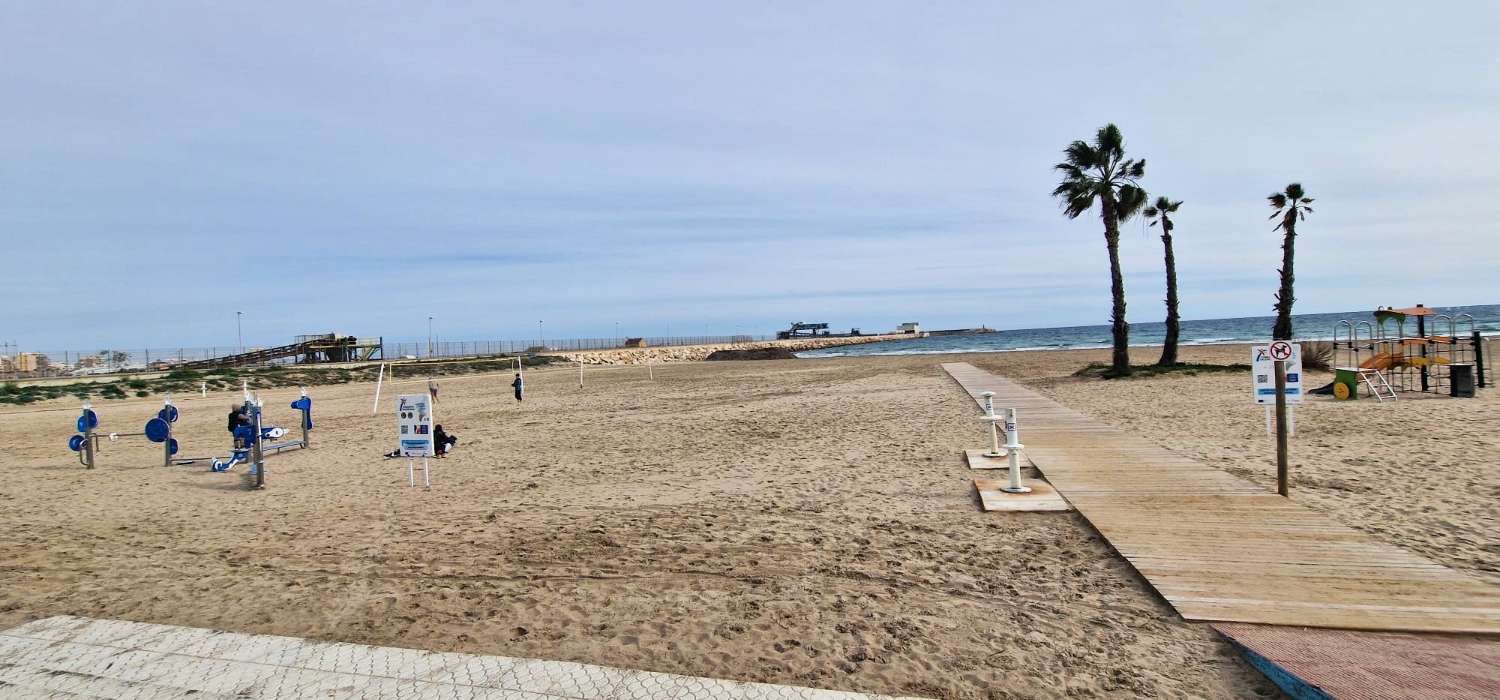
414,425
1277,378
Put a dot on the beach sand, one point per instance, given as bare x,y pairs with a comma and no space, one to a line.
807,522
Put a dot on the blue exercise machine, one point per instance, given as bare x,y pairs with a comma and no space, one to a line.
253,441
158,430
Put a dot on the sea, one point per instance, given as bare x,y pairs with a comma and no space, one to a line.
1486,320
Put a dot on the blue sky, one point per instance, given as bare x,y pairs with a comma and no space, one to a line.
722,167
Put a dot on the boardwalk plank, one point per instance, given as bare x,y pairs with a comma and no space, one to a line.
1220,548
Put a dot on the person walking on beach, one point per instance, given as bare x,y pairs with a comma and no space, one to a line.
520,386
432,389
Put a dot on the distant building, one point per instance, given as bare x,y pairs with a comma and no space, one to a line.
88,361
910,327
31,362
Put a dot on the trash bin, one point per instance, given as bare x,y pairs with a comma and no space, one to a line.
1461,380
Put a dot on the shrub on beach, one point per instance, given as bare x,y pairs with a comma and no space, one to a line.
1317,354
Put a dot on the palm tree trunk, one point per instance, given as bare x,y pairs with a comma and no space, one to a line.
1169,346
1119,329
1284,297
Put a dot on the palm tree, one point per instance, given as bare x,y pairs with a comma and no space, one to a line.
1291,206
1159,213
1102,172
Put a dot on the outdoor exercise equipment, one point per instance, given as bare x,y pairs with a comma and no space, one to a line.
159,430
1445,355
252,440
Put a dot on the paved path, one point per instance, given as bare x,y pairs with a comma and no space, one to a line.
1220,548
78,657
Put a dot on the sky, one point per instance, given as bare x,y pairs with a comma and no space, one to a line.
719,168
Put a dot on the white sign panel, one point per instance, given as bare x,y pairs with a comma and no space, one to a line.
414,423
1263,371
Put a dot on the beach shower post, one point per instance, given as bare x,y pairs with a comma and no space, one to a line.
993,420
1013,451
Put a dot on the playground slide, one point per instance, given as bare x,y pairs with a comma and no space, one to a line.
1383,361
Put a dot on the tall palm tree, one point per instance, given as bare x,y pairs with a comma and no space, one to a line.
1160,213
1291,206
1101,172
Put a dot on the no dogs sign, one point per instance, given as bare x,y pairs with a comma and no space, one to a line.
1263,359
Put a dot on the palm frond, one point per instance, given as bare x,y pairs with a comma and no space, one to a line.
1078,203
1277,200
1110,142
1131,199
1294,191
1152,211
1081,155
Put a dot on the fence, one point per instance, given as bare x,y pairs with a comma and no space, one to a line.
28,365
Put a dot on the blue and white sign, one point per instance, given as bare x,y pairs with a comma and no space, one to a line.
414,425
1263,360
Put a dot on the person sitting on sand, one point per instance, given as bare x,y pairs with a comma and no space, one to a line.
441,441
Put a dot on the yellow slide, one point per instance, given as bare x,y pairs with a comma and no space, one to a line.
1383,361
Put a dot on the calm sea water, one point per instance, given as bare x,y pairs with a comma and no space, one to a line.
1201,332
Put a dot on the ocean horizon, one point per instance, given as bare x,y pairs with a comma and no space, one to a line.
1219,331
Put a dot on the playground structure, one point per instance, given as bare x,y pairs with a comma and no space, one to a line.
159,430
251,440
1445,355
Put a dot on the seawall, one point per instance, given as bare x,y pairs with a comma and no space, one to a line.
695,353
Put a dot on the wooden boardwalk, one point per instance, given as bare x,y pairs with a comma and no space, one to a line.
1220,548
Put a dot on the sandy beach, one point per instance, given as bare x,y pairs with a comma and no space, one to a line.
808,522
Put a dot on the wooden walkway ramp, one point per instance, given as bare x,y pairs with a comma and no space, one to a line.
1220,548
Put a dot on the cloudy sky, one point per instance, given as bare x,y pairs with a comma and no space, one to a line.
719,166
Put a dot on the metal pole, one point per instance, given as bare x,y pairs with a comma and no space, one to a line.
429,336
238,335
1422,333
166,445
989,413
1478,362
306,419
1281,467
379,379
257,453
88,437
1013,450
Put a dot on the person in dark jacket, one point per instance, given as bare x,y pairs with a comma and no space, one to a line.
520,386
441,440
236,417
